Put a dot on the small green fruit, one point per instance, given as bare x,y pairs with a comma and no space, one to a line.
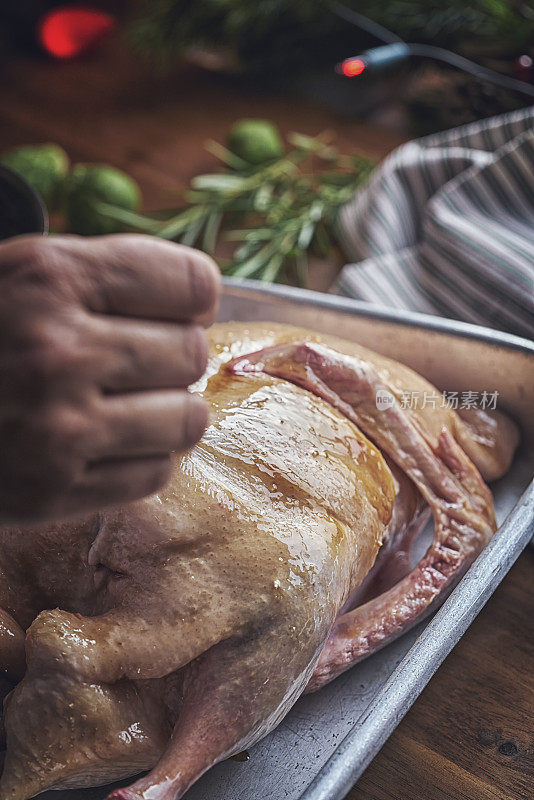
256,141
89,186
44,166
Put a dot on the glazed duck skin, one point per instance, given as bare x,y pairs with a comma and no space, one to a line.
172,633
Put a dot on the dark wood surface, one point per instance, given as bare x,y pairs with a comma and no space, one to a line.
470,734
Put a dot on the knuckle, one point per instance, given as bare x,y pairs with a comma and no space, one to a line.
43,272
54,348
64,432
33,260
44,362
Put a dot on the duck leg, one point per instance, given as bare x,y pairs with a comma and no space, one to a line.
63,733
233,696
121,643
87,710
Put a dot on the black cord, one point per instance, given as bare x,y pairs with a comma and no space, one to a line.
455,60
429,51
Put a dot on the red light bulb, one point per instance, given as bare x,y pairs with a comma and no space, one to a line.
352,67
69,31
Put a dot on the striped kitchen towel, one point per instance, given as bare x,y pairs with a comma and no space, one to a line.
446,226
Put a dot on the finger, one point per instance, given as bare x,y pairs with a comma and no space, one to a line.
141,276
117,482
150,423
148,355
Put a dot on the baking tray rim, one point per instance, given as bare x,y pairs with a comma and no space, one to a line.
360,308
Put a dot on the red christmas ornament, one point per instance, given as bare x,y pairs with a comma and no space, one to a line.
70,31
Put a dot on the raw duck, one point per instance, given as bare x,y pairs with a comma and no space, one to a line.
170,634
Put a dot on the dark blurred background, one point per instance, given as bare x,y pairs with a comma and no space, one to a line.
294,45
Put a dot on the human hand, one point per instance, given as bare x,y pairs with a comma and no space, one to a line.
99,339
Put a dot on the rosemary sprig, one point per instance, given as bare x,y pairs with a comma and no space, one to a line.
276,213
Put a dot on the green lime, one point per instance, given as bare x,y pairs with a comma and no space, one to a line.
256,141
91,185
44,166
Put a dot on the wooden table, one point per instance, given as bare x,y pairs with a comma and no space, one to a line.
470,734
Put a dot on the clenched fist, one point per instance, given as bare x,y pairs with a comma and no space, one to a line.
99,339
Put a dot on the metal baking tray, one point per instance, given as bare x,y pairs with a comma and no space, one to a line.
328,739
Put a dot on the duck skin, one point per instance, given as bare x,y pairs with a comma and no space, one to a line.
172,633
